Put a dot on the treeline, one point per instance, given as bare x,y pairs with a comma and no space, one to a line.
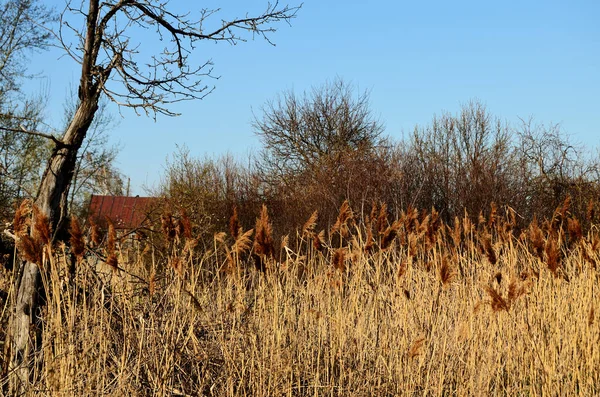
326,146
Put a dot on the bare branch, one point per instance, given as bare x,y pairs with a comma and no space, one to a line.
23,130
114,65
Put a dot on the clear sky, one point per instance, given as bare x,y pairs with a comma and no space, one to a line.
417,58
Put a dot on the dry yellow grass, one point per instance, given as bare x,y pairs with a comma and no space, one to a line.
423,311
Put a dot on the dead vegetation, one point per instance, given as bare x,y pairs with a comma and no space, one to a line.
373,306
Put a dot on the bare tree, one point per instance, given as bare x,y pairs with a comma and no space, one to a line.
22,31
320,148
112,66
467,161
298,133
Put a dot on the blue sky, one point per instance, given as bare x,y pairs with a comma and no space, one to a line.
537,59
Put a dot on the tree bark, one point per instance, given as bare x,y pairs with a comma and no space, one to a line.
51,200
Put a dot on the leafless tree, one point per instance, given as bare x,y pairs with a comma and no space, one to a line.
467,161
22,30
299,133
110,51
320,148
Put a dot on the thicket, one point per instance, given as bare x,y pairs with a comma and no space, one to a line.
326,146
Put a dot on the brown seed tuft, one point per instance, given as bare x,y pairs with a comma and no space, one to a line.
389,235
263,240
457,232
311,223
344,219
319,240
515,291
152,283
113,262
415,348
446,272
498,303
536,238
234,224
77,244
41,229
110,242
30,249
591,210
552,256
382,221
564,209
575,233
168,226
493,216
338,260
184,226
242,243
488,249
96,234
22,220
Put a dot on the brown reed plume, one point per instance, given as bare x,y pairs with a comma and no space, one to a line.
95,232
515,291
77,243
553,256
416,347
488,249
309,227
382,221
319,240
457,233
111,260
184,227
566,205
22,218
591,210
536,238
468,226
263,239
589,251
389,234
243,243
411,219
339,259
497,302
344,219
234,224
31,249
575,232
493,219
433,226
446,272
168,226
41,229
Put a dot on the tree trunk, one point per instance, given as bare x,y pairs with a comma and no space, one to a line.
51,200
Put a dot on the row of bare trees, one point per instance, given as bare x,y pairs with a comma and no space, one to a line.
326,146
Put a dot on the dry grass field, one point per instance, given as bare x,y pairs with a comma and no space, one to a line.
373,306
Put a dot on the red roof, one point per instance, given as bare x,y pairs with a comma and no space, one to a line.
124,212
